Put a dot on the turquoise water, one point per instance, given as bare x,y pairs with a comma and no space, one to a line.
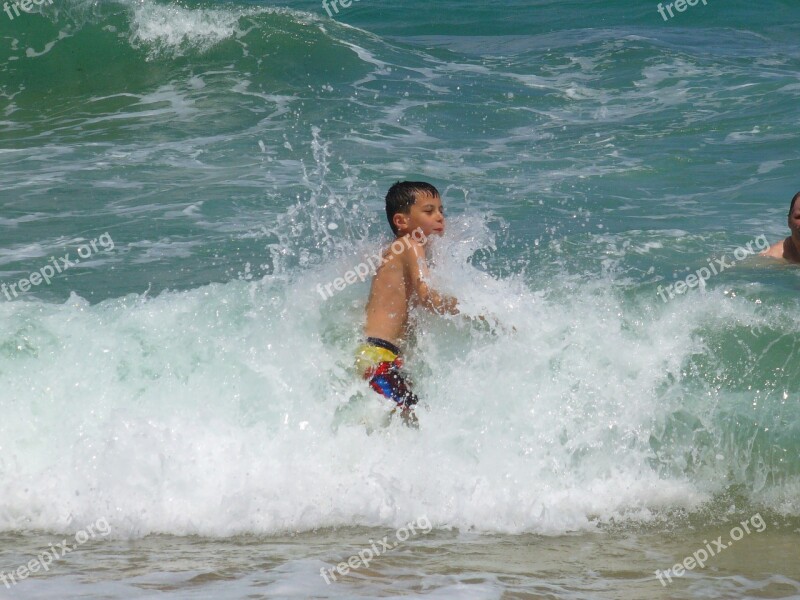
203,167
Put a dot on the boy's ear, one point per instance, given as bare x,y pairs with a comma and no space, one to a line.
400,221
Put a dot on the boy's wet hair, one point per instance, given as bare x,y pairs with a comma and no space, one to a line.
791,206
402,195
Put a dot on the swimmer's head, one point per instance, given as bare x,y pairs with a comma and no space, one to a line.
414,206
794,217
791,206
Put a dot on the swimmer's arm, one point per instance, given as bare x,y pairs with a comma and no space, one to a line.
432,299
419,276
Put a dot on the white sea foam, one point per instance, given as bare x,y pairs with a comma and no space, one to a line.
172,29
219,410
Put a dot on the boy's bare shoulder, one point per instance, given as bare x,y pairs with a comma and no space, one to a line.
397,255
412,252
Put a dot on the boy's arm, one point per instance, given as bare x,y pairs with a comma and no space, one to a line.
428,297
419,277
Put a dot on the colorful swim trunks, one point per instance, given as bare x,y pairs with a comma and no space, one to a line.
379,362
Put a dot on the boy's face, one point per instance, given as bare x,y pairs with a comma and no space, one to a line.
426,213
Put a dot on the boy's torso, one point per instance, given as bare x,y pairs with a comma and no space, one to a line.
389,299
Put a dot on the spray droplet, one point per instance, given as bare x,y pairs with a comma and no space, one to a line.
332,226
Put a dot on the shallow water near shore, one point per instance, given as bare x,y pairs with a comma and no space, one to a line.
614,564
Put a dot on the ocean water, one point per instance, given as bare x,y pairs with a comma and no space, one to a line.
181,178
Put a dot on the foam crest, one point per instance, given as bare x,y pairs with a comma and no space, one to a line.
172,28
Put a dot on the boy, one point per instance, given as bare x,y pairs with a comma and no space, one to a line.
414,210
789,249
